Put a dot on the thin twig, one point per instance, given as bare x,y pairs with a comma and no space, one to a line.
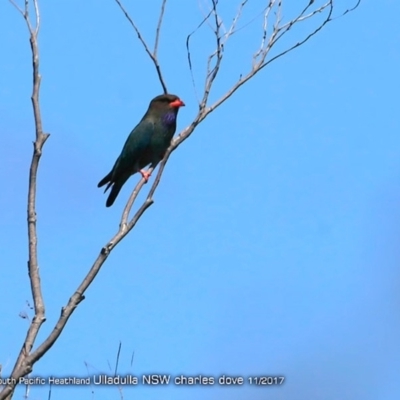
27,390
189,54
262,12
131,200
218,54
232,28
49,396
117,360
265,31
160,20
18,8
121,393
152,56
132,357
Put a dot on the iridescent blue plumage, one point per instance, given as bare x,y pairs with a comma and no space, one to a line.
169,119
146,144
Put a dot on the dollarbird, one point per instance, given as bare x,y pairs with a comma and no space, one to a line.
146,144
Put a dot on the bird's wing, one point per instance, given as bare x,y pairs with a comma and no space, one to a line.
137,143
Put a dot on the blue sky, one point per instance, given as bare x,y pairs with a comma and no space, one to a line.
273,244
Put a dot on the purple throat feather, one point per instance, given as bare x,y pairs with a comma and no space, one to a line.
169,118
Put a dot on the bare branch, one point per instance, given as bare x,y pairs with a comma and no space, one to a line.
302,17
262,12
132,357
117,360
189,54
49,396
153,56
25,14
41,137
218,54
160,20
351,9
265,31
36,5
18,8
131,200
232,29
136,29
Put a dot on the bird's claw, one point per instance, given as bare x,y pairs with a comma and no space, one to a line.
145,174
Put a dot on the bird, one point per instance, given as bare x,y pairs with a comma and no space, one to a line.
146,144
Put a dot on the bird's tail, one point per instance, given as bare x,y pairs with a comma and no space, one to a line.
115,185
114,192
105,180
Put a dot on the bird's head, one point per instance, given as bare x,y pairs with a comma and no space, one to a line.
167,101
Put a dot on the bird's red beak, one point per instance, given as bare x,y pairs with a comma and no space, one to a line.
177,103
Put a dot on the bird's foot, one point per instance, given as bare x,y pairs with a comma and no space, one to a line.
146,175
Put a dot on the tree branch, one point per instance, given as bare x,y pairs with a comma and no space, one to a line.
33,265
218,54
152,55
158,29
189,55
